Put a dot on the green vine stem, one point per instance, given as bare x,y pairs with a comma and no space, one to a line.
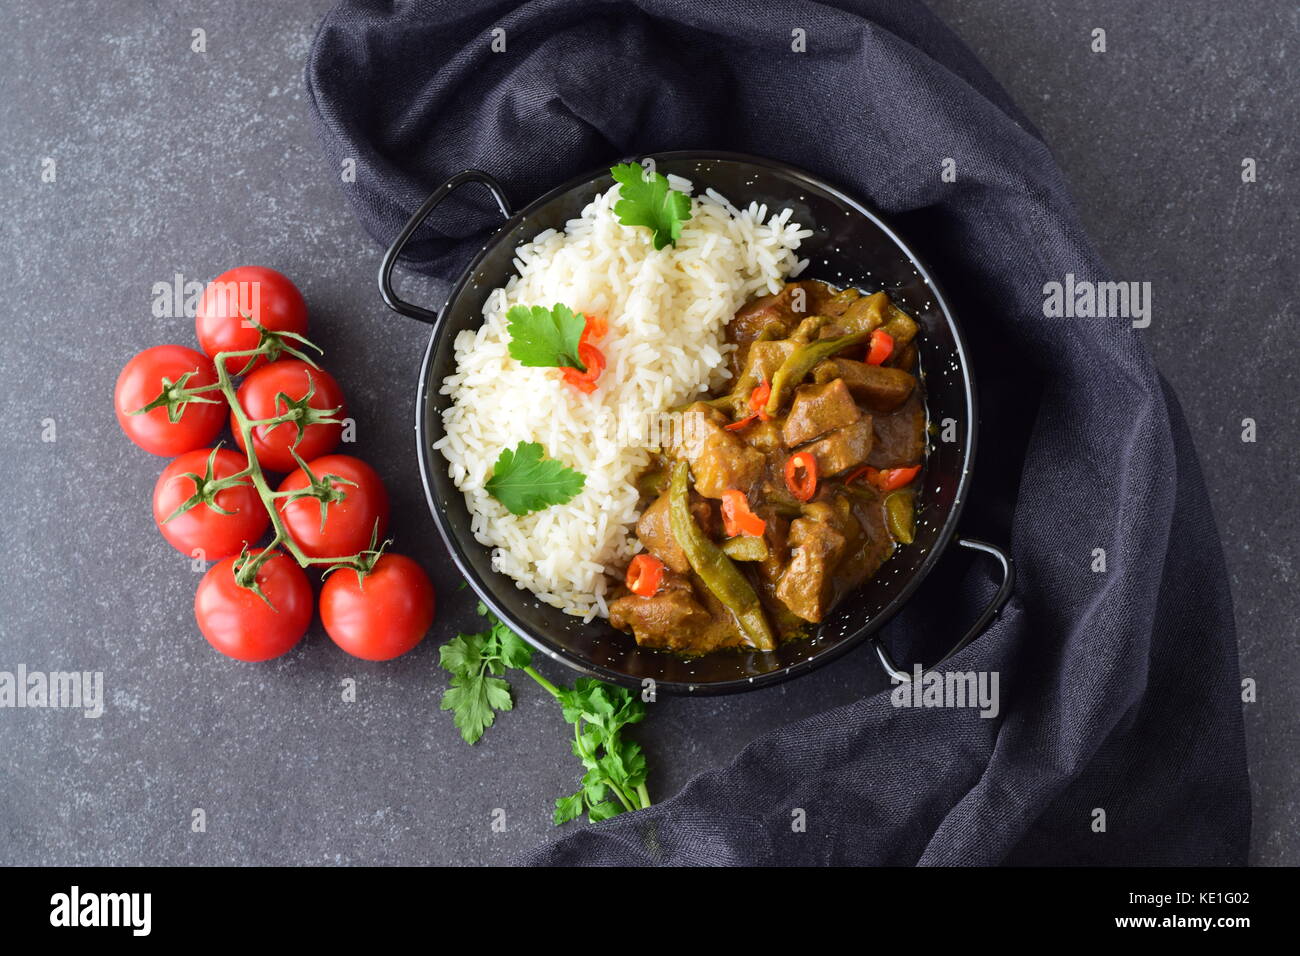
272,344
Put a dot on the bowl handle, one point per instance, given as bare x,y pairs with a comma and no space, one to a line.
999,599
386,290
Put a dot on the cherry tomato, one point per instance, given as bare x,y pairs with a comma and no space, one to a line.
140,383
384,615
348,523
203,528
263,295
257,397
239,624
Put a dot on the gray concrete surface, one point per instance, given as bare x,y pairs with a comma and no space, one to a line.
169,161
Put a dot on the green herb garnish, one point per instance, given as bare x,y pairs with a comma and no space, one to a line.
524,482
546,338
615,769
647,200
476,663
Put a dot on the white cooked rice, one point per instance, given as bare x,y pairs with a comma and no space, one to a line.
666,312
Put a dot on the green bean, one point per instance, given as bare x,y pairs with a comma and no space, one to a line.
842,298
801,361
809,327
745,548
900,516
714,568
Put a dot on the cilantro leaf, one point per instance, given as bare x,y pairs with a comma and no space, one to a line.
602,705
546,338
648,200
524,483
585,746
511,647
593,786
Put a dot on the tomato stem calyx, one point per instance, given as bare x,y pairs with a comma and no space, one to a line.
364,562
248,564
274,345
207,486
299,412
324,489
174,396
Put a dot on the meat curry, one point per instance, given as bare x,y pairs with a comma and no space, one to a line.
771,502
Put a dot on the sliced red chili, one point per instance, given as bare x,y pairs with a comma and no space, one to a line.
737,519
882,346
594,359
644,575
594,330
890,479
757,407
758,400
801,475
857,473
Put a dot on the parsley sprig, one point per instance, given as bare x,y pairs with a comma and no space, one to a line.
614,780
476,663
615,767
646,199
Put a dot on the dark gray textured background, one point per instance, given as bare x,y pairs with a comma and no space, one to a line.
170,162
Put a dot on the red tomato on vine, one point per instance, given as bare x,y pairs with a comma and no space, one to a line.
239,300
360,512
203,528
142,382
239,623
259,397
381,616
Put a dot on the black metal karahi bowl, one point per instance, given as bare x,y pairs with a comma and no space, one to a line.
850,245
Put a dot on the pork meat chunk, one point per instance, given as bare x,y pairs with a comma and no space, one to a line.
818,409
816,547
843,448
